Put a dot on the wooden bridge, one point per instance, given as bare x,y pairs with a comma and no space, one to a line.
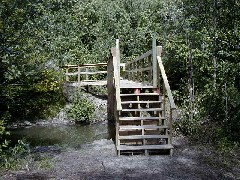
140,101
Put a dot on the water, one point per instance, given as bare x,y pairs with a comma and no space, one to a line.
65,136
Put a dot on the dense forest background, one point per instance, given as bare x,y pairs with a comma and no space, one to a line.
201,41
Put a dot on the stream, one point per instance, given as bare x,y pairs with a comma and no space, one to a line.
61,135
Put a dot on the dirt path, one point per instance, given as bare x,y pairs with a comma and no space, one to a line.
98,160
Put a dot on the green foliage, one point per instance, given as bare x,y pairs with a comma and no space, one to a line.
81,110
11,158
202,59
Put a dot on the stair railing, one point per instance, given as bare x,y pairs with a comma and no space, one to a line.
166,87
143,69
140,69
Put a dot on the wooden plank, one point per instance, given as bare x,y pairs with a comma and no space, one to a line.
132,84
148,147
86,73
126,128
84,65
71,74
141,94
141,102
87,83
92,73
139,70
169,92
146,54
140,118
145,109
132,137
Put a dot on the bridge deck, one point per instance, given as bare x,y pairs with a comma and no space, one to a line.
132,84
123,84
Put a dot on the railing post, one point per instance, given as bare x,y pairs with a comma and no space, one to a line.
118,55
67,78
154,62
86,73
79,70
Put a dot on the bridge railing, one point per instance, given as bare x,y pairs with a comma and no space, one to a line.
140,69
149,70
143,69
86,74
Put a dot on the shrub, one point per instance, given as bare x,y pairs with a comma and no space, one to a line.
81,110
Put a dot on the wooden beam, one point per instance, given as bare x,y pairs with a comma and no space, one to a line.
146,54
116,65
154,62
139,70
165,80
92,73
148,147
84,65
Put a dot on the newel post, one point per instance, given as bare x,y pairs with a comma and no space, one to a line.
154,62
110,87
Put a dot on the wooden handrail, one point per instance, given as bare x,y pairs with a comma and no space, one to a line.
165,80
146,54
84,65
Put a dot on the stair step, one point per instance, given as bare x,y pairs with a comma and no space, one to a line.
140,118
138,102
143,147
145,109
126,128
143,137
141,94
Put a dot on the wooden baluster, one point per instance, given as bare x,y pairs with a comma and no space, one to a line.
67,77
86,73
79,80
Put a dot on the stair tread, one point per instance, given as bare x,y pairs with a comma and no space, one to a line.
142,147
129,102
139,118
143,137
122,128
140,94
145,109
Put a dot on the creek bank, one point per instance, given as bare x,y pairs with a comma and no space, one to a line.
61,119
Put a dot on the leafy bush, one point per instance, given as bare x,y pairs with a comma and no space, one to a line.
81,110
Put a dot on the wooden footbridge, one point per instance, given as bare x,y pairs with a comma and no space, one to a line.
140,101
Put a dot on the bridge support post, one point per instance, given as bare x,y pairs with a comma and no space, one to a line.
154,62
111,101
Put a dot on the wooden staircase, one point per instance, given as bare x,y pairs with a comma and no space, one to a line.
141,126
137,104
